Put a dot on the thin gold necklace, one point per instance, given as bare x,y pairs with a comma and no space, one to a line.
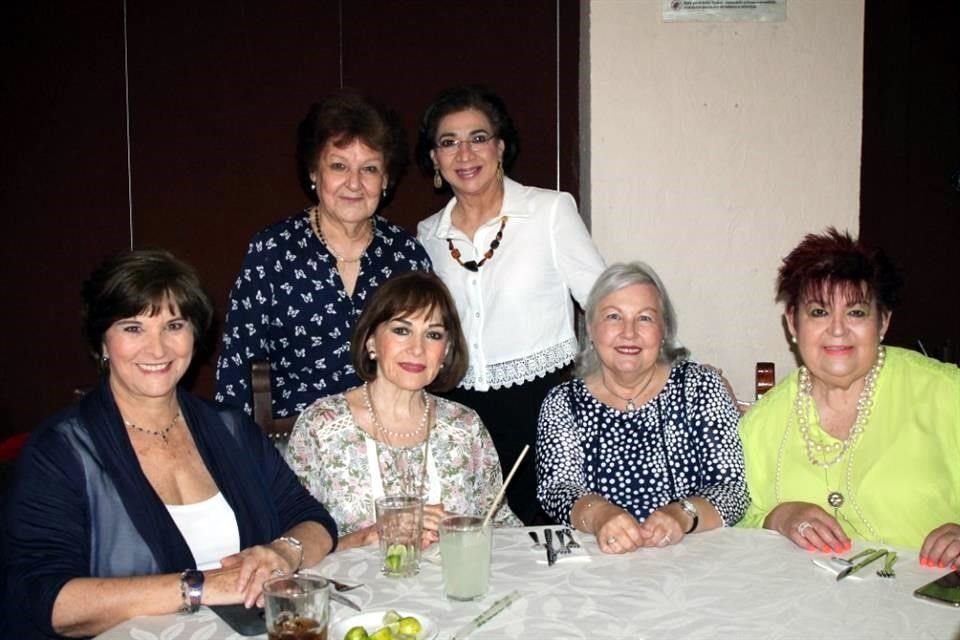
315,219
630,406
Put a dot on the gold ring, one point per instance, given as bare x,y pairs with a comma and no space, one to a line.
611,539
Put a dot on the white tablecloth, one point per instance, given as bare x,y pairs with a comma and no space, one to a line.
730,583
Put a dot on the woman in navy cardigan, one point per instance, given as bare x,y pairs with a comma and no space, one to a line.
142,499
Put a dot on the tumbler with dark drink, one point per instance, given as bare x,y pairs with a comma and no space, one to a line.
297,607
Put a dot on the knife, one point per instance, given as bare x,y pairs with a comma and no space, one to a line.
873,557
551,552
336,597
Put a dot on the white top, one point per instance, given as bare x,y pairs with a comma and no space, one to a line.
516,311
209,528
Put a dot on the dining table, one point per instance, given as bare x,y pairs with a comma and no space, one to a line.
726,583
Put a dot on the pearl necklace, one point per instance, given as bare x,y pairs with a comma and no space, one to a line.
315,219
396,434
817,452
162,434
630,406
864,404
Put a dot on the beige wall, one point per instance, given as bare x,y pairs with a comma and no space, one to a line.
714,147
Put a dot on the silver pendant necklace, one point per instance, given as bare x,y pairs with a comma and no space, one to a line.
631,406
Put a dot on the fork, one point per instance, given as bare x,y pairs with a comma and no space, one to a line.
564,546
338,586
887,571
573,544
536,540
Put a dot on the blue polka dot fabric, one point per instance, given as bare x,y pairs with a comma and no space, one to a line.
682,443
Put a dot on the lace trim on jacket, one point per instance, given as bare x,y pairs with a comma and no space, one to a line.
525,369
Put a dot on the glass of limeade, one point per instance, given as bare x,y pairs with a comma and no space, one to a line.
400,527
465,550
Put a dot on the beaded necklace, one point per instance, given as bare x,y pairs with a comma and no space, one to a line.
401,467
473,265
835,498
315,219
162,433
396,434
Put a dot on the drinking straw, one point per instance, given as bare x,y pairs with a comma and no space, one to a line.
496,501
487,615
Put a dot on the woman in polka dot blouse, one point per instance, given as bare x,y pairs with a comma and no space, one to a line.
641,448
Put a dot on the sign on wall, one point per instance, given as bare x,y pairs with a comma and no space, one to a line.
724,10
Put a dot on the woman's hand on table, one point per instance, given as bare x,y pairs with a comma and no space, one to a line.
663,527
360,538
941,548
616,530
255,565
808,526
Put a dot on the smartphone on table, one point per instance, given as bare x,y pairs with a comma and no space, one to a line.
943,590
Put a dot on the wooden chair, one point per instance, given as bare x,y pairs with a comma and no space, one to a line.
277,429
765,377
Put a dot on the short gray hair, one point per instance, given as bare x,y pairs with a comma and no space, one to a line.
620,276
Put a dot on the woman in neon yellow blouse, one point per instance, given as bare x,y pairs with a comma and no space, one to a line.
862,441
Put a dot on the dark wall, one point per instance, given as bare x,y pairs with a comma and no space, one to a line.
215,93
910,180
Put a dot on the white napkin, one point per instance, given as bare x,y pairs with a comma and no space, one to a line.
575,555
836,566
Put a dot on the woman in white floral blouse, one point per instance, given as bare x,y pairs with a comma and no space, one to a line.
389,436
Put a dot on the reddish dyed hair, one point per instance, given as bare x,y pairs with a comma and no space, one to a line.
834,262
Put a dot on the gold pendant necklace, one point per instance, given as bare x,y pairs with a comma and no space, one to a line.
315,222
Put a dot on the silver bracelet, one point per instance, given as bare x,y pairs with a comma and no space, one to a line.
296,544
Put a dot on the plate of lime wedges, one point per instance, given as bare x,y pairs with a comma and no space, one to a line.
384,624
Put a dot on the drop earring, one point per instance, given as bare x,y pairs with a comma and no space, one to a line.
437,180
500,171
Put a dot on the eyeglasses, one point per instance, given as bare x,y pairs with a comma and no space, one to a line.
449,146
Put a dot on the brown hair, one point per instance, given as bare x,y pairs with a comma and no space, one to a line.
137,282
405,295
343,118
834,262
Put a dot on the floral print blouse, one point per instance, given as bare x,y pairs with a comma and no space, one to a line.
328,453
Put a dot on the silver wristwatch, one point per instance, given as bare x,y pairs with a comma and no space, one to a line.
691,510
191,590
296,544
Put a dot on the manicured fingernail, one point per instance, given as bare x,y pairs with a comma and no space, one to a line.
826,548
924,561
810,547
940,564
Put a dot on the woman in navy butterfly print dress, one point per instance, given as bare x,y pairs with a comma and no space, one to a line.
641,448
305,279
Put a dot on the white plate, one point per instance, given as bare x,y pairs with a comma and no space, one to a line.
373,620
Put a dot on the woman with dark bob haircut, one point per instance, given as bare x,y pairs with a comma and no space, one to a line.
861,441
305,279
142,499
512,256
389,436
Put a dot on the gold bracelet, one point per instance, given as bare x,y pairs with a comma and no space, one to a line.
583,513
